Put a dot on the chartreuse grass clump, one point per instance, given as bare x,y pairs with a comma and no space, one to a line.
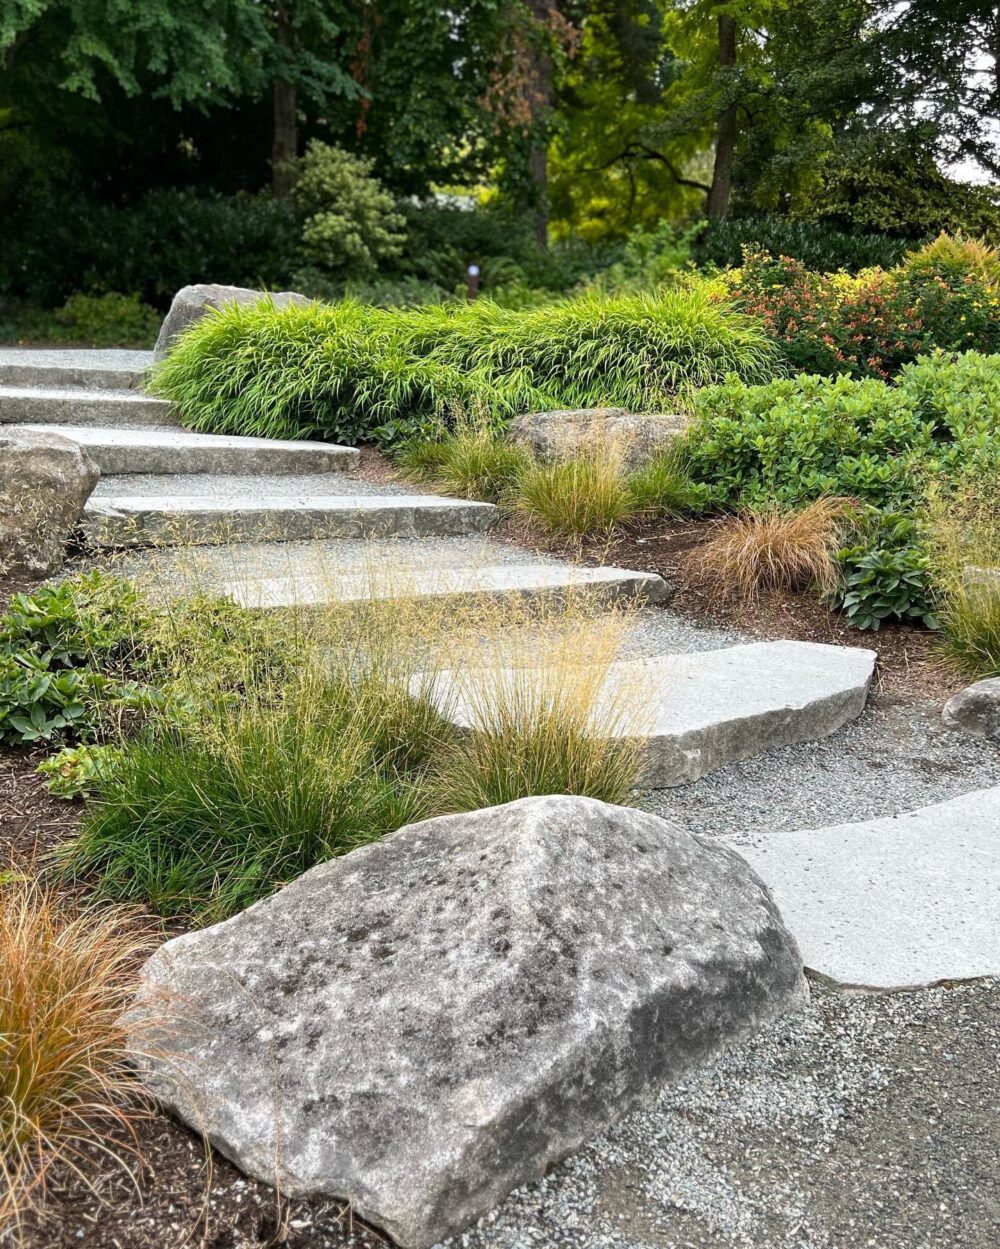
350,372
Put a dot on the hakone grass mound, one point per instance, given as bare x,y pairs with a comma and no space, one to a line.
348,371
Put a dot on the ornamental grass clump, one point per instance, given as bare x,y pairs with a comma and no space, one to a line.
67,1090
963,540
576,498
334,738
548,717
230,794
350,372
777,550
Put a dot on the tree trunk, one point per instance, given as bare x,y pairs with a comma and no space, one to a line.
540,102
285,144
538,165
725,144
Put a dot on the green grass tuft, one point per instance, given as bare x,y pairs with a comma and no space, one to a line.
345,371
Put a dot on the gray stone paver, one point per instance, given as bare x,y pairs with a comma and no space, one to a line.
892,903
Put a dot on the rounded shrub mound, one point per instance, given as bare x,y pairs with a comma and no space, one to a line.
350,372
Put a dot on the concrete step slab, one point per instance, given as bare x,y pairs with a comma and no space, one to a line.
532,583
148,520
74,368
694,713
157,450
50,406
894,903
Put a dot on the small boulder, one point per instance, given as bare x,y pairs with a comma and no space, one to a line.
565,435
45,480
192,302
976,710
426,1023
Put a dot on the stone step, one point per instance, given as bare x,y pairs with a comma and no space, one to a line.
150,520
695,713
116,408
542,584
70,368
156,450
893,903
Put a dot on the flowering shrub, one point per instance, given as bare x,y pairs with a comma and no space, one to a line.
946,295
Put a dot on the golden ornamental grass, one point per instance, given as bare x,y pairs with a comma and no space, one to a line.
66,975
773,549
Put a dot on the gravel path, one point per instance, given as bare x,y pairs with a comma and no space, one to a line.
867,1121
893,758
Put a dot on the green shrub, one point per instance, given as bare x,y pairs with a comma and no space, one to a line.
167,240
886,577
943,296
651,259
818,247
796,440
349,223
63,649
347,372
92,320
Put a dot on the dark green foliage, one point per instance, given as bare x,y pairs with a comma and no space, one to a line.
89,320
822,248
58,649
886,576
168,240
345,372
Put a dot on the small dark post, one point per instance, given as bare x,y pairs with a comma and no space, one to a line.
472,273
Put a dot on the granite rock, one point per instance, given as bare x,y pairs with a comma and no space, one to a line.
563,435
192,302
430,1021
976,710
44,482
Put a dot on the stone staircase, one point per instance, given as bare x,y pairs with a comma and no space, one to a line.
275,525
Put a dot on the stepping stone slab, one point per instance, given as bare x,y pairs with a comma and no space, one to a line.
24,405
694,713
536,582
69,368
895,903
182,451
422,1025
149,520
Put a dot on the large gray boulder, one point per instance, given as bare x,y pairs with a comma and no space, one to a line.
432,1020
191,303
976,710
565,435
45,480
